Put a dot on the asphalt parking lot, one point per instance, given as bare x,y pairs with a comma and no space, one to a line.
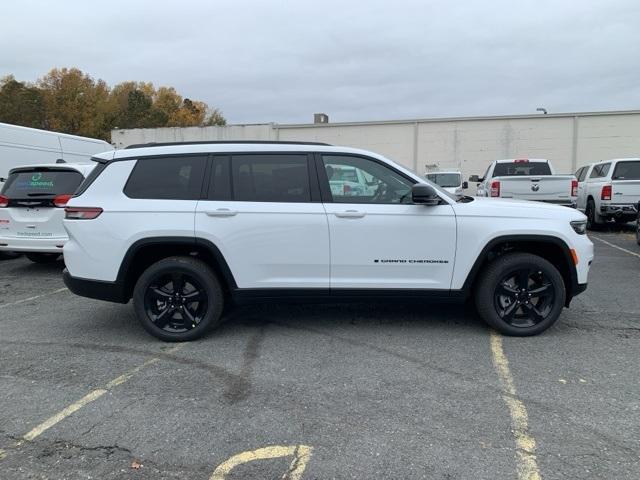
321,392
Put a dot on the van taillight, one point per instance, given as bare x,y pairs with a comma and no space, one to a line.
574,188
606,193
60,201
495,188
4,201
82,213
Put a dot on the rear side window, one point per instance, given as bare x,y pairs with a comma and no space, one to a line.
600,170
97,170
41,183
580,173
270,178
627,171
167,178
511,169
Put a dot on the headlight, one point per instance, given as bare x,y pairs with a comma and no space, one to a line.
579,226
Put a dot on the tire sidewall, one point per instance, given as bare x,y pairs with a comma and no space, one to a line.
496,271
194,268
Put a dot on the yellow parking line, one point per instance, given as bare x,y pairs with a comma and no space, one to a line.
17,302
527,466
301,455
615,246
92,396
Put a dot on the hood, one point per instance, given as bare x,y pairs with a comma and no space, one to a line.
506,207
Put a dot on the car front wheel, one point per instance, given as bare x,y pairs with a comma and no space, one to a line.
178,299
520,294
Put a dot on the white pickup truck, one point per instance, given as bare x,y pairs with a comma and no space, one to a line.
527,179
609,189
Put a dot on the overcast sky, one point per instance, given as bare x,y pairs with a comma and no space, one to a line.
281,61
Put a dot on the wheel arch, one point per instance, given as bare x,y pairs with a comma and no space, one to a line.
551,248
147,251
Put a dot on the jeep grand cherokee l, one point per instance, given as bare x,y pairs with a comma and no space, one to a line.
187,229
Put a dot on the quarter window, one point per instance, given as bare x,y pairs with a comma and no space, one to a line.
270,178
167,178
362,180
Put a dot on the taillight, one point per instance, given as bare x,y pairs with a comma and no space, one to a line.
61,200
4,201
574,188
606,193
82,213
495,188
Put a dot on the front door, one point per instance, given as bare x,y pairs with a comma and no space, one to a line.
379,239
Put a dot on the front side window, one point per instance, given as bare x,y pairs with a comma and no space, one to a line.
270,178
627,171
362,180
167,178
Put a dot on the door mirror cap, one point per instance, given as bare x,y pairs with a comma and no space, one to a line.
423,194
465,185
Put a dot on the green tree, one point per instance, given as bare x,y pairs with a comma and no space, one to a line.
21,104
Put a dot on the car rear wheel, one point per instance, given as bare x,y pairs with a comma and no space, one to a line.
520,294
178,299
42,257
593,219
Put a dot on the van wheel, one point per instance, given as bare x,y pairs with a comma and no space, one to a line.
42,257
593,219
520,294
178,299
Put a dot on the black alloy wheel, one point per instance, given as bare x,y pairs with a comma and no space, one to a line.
524,297
176,302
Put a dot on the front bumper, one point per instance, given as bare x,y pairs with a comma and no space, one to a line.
36,245
100,290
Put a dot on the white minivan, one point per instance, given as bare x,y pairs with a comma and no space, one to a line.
32,202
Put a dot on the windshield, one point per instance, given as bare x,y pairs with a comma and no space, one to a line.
627,171
445,179
41,183
511,169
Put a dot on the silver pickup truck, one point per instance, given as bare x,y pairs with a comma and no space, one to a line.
527,179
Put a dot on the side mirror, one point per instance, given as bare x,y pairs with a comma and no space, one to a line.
422,194
2,180
465,185
474,178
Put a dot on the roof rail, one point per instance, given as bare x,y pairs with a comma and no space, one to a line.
223,142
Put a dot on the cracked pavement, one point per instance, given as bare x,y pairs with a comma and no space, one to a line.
378,391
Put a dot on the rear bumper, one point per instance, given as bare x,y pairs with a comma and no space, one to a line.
107,291
619,209
39,245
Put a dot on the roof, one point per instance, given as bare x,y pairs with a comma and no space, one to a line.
83,168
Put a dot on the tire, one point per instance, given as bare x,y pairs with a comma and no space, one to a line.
176,318
9,255
638,230
42,257
593,219
501,302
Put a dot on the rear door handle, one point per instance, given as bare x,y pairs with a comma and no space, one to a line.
221,212
350,214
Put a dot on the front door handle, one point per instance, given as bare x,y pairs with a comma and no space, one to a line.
350,214
221,212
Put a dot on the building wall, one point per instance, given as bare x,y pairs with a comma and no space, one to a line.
469,144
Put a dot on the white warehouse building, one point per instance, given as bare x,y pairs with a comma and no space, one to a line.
469,144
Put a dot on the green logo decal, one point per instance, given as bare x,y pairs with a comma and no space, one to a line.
35,177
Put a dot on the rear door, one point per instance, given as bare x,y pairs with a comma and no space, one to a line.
263,212
625,182
37,197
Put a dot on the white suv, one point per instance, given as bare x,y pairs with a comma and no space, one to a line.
32,202
186,229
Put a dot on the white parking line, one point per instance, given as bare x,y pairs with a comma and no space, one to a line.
17,302
615,246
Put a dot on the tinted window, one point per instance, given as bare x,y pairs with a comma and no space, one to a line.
510,169
270,178
445,179
372,182
580,173
600,170
44,183
175,178
220,180
627,171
